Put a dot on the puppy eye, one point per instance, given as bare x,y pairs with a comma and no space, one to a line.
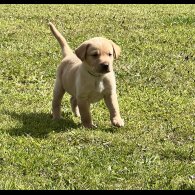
110,54
95,55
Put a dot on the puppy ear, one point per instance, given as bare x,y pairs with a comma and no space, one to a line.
116,48
82,50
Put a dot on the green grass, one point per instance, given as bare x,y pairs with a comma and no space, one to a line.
155,84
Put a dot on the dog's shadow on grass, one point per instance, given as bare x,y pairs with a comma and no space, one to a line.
39,124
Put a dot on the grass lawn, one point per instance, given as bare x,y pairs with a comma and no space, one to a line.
156,90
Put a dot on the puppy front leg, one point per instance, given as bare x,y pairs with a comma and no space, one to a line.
112,104
84,109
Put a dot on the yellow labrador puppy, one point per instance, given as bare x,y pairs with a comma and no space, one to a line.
88,77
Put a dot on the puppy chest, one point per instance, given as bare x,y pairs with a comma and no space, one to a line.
99,86
96,92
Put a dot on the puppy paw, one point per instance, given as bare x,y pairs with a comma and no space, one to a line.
89,126
118,122
54,118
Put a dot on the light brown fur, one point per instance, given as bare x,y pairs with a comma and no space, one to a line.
88,77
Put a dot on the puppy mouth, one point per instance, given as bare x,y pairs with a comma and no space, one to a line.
105,71
99,73
101,70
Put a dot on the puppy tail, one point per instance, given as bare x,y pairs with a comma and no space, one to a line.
64,45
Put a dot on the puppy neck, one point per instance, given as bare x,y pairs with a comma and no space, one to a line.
93,74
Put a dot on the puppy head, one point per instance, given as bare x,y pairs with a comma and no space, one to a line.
98,54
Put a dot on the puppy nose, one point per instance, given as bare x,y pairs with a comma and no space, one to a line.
105,66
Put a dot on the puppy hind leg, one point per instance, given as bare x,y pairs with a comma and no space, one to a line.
58,93
74,106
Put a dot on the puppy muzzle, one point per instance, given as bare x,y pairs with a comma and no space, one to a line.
105,68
